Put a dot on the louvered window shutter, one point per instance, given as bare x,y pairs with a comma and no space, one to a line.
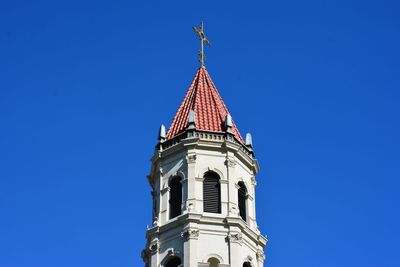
211,193
242,192
175,197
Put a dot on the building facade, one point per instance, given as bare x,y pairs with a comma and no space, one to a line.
203,178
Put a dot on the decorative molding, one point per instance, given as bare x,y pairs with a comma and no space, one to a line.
235,237
154,247
213,169
190,234
237,185
260,255
199,179
253,181
190,206
155,222
212,255
145,255
165,189
246,184
223,181
234,210
171,252
178,173
166,182
191,158
206,264
231,162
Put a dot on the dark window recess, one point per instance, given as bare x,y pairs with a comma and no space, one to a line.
154,204
174,262
246,264
175,197
211,193
242,195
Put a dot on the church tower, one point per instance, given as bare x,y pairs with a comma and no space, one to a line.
203,178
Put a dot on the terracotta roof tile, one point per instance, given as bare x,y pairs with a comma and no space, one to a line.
210,110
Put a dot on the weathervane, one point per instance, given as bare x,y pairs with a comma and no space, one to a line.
203,40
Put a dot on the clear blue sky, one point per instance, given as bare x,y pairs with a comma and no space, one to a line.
84,86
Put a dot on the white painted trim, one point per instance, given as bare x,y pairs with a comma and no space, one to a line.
213,255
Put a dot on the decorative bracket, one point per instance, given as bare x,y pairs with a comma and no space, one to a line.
260,255
154,247
191,158
235,237
230,162
190,234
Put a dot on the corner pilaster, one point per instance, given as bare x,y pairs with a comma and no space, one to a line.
191,200
230,162
190,237
235,246
260,258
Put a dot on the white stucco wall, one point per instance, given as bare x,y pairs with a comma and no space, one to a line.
195,236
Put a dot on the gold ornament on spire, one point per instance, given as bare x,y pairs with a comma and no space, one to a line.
203,40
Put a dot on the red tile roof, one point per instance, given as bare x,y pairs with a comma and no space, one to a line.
210,110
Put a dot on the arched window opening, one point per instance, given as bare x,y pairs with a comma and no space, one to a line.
173,262
211,193
247,264
175,197
214,262
242,195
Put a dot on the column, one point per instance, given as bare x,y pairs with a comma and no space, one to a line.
235,247
190,236
232,190
191,203
252,204
260,257
154,253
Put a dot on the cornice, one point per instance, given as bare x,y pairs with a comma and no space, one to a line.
207,141
255,236
201,219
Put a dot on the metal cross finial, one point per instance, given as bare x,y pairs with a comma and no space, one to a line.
203,40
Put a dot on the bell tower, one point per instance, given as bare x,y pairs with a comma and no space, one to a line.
203,185
203,178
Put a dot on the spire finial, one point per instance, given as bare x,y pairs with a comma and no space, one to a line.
203,40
